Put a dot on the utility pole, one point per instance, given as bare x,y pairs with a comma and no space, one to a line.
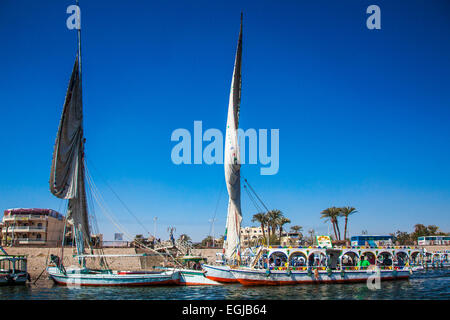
212,230
154,227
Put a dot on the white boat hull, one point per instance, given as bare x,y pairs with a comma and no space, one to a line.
75,278
249,277
195,278
219,273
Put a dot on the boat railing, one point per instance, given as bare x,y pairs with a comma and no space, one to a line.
345,268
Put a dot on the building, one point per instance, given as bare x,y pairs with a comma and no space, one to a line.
433,241
291,239
32,227
250,235
373,241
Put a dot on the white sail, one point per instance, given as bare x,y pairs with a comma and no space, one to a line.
232,162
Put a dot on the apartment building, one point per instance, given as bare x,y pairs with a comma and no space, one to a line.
32,227
251,236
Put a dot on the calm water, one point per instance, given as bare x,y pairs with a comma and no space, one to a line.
433,284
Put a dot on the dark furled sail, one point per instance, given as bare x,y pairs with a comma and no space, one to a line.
67,180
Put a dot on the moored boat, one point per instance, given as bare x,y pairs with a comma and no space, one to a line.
189,277
232,166
68,181
289,266
13,269
220,273
89,277
191,273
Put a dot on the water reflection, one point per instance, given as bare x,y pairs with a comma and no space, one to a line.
433,284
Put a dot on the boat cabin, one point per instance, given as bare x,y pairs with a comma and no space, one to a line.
339,258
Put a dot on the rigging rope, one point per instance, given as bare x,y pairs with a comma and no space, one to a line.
258,208
117,196
217,206
254,192
100,201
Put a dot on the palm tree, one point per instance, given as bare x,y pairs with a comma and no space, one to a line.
332,214
282,221
296,229
262,218
345,212
274,217
184,238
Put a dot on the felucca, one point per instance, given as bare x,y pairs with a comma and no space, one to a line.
231,245
67,181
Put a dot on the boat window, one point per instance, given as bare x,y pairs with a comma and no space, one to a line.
402,258
384,259
297,259
369,256
415,257
349,259
317,259
278,259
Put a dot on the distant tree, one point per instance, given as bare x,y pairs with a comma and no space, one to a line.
345,212
296,229
403,238
184,238
332,214
263,219
274,217
282,221
208,241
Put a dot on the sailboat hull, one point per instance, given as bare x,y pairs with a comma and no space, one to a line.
190,277
219,273
77,277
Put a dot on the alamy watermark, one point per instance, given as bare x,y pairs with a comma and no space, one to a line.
190,149
374,280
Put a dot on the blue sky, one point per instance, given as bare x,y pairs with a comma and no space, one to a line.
364,115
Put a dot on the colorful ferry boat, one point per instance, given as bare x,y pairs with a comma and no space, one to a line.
300,265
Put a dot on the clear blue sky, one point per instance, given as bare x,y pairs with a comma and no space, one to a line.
364,115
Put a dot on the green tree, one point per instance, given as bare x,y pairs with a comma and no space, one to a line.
345,212
403,238
281,222
185,238
274,217
208,241
332,214
296,229
263,219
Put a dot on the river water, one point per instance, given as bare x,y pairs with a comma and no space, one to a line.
432,284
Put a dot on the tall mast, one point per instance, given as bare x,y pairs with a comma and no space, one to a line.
79,41
232,164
